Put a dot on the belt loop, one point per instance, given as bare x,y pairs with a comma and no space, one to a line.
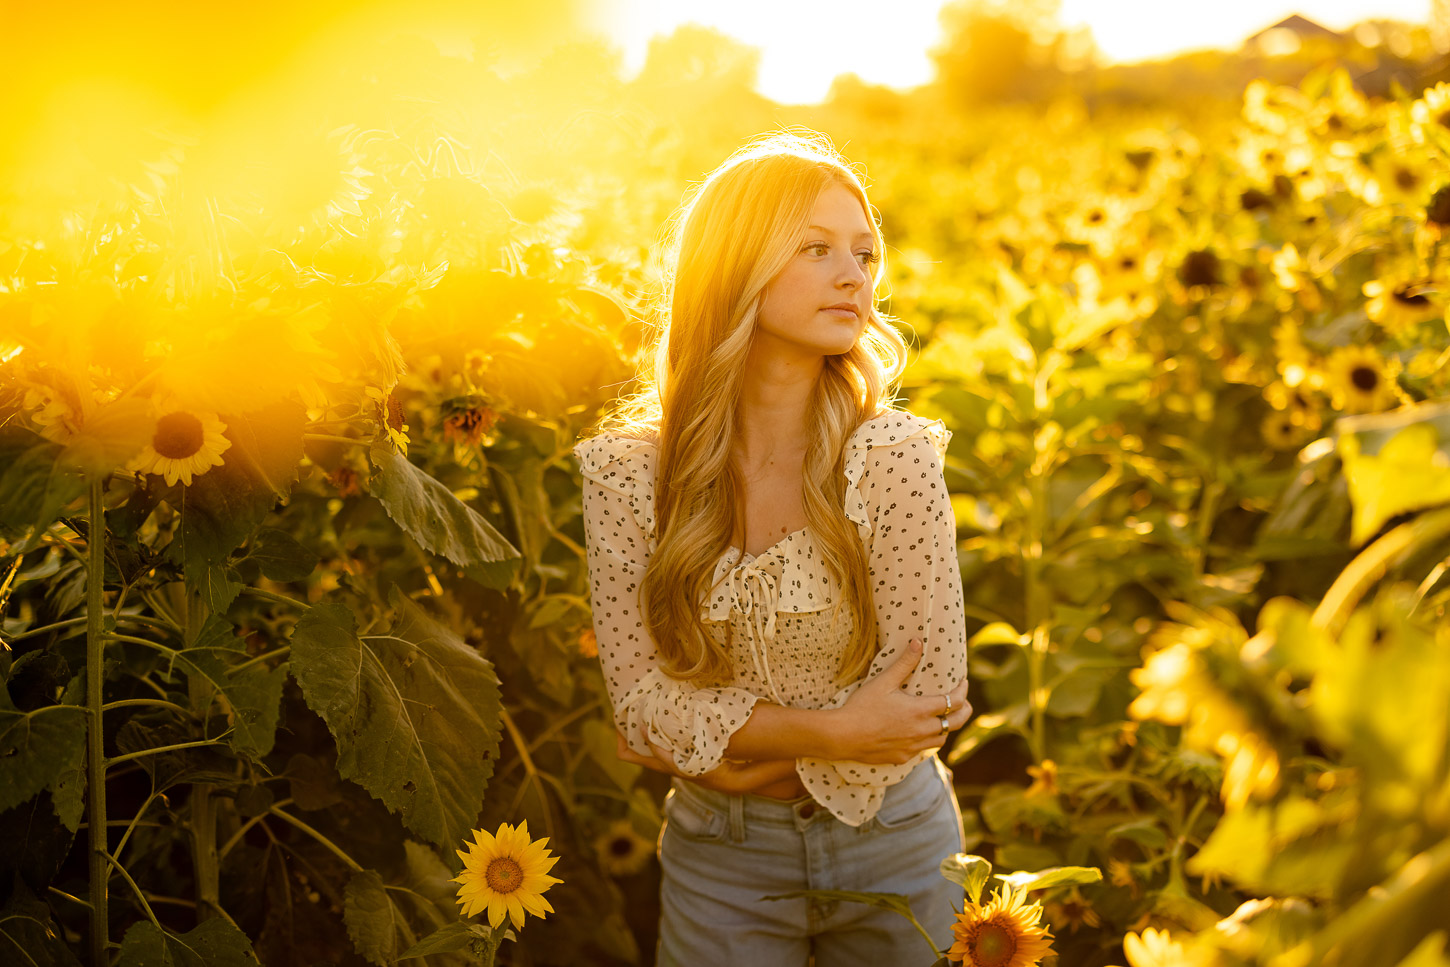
737,819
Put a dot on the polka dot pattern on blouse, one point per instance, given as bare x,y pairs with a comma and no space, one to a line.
784,648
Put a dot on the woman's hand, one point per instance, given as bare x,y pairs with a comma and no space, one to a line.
880,723
775,778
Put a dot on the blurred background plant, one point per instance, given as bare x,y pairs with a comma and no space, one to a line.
306,348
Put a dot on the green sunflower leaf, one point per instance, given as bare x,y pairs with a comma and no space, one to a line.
112,435
252,694
214,943
415,712
224,506
35,486
26,926
969,871
1395,462
37,748
375,924
281,556
1055,876
445,940
440,522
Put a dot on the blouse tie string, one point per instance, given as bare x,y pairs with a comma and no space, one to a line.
755,593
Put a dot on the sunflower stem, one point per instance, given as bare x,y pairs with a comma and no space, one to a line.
336,850
100,862
330,438
486,948
529,767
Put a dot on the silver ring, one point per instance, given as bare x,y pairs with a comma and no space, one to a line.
949,703
945,725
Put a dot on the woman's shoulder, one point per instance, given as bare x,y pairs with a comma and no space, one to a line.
613,457
891,428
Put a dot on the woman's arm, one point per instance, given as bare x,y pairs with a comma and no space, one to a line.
880,723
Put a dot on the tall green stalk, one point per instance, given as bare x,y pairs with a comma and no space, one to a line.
202,819
1038,606
95,745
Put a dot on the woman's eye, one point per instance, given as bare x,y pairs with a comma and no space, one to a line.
868,257
817,248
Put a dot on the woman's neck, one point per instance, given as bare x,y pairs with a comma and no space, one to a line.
772,412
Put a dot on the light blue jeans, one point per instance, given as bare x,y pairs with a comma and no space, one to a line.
720,854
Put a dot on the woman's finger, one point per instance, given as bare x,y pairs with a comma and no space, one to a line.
900,670
663,755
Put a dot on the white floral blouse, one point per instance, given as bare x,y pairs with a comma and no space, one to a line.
785,648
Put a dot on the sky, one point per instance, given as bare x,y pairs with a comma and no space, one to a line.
804,45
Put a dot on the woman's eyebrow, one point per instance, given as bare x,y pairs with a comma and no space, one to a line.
828,231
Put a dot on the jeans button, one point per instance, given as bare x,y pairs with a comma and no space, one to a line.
807,810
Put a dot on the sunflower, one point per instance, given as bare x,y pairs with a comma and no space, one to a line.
1044,779
1400,307
466,425
345,480
390,417
1359,380
1399,178
588,643
621,850
1280,431
1004,933
185,444
1432,110
1156,948
505,874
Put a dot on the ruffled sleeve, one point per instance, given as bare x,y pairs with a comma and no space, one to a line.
695,724
896,494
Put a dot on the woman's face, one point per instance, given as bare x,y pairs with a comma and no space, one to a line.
817,305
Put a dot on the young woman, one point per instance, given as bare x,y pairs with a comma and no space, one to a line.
776,596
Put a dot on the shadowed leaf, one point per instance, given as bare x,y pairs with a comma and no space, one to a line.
37,748
214,943
415,713
440,522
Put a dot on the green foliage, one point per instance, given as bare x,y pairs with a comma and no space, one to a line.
37,748
213,943
439,521
1196,377
223,508
414,712
34,485
250,693
377,928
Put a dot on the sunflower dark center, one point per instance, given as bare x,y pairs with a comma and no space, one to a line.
621,846
395,414
504,875
1364,378
1200,268
178,436
1443,118
1405,179
1095,216
994,945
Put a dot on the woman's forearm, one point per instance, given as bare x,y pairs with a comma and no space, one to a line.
778,732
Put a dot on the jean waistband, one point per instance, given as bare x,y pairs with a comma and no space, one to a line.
762,809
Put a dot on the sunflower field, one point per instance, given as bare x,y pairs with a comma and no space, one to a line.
293,597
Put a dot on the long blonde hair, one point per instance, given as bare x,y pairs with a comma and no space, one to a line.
737,230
